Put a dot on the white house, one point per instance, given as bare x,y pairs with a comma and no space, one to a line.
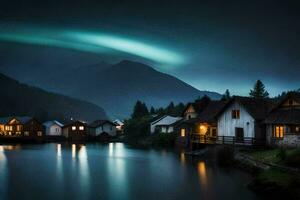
242,119
53,127
164,124
99,127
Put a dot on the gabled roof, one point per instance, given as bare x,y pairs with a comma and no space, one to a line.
257,108
198,105
287,115
74,122
50,123
98,123
166,121
209,113
21,119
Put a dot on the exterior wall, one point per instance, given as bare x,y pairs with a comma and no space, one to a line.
288,140
227,125
76,134
53,130
190,113
165,129
33,129
106,128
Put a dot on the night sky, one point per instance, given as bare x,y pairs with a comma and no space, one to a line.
212,45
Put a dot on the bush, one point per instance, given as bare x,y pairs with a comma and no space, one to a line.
225,156
164,139
282,154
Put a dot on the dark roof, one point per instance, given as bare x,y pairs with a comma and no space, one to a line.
257,108
22,119
288,115
98,123
198,105
284,116
73,122
209,113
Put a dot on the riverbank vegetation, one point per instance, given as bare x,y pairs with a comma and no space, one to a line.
282,177
137,127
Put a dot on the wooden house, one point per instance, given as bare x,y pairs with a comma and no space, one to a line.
199,121
283,122
100,127
53,128
164,124
241,121
22,126
75,131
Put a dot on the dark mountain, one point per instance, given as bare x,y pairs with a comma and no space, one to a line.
116,88
20,99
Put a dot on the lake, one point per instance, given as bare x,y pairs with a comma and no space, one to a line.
113,171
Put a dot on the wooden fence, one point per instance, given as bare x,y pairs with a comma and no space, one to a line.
227,140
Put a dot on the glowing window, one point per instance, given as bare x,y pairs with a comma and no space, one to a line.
26,133
73,128
182,132
39,133
278,131
81,128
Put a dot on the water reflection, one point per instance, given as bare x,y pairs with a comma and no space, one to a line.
117,175
202,173
3,172
182,158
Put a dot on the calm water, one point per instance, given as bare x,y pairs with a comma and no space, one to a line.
112,171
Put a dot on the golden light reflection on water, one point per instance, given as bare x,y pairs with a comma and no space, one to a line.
202,173
73,150
182,158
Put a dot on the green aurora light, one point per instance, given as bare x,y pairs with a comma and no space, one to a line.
92,42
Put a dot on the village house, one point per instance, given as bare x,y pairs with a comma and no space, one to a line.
283,122
100,127
164,124
75,130
53,128
119,126
199,122
241,121
22,126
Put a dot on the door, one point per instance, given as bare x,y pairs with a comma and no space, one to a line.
239,134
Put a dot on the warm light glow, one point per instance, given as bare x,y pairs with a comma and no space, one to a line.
182,158
73,151
202,173
279,131
203,129
81,128
182,132
73,128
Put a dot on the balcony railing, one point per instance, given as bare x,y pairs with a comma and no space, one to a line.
228,140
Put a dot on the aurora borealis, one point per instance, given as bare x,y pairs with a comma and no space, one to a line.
211,45
90,42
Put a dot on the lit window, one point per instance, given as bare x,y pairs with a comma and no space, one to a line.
26,133
297,129
81,128
235,114
73,128
39,133
278,132
182,132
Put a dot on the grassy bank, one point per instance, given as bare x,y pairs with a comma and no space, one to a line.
281,178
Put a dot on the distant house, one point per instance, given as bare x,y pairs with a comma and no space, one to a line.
22,126
53,128
164,124
76,130
100,127
283,122
119,126
242,120
199,118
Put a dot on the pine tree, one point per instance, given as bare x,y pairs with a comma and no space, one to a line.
152,110
170,108
140,110
226,95
259,91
